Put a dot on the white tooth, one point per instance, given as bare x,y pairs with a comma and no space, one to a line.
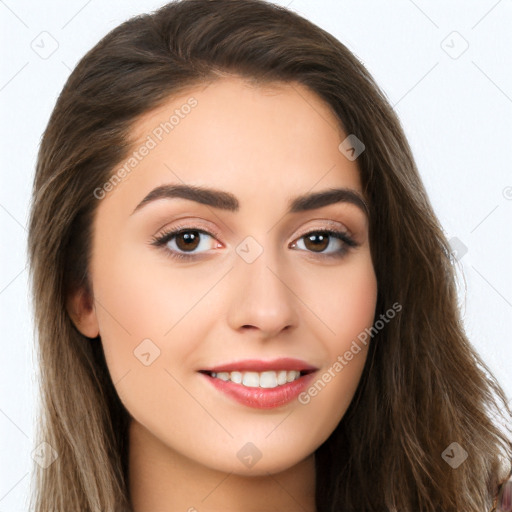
281,378
268,379
251,379
236,377
292,375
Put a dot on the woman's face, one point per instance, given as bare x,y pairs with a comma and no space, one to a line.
260,291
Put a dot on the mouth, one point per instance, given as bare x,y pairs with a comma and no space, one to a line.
261,384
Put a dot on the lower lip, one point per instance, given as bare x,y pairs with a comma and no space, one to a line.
262,398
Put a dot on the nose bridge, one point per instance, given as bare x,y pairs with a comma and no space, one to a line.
261,297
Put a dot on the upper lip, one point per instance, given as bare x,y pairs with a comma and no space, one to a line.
258,365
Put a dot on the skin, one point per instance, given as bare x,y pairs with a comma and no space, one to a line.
265,145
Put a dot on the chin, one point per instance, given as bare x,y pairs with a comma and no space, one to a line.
264,462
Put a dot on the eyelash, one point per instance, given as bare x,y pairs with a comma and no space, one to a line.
167,236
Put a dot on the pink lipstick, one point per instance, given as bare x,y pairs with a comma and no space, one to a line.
261,384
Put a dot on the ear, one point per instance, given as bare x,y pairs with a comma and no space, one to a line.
81,309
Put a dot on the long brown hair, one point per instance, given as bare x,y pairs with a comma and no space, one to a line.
423,386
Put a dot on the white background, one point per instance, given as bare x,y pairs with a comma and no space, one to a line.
455,107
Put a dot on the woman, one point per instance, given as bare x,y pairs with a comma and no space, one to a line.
244,299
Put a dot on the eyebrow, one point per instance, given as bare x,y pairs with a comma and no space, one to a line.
227,201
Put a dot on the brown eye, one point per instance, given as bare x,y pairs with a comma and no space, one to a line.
316,242
187,240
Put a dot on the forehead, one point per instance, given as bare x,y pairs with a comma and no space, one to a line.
233,96
277,140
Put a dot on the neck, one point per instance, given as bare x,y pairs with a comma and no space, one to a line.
163,480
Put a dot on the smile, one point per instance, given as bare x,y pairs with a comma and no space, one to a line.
267,380
261,384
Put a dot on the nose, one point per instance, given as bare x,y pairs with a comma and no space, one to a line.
262,297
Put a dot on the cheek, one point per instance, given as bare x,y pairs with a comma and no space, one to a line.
347,312
144,308
355,304
343,301
131,311
136,319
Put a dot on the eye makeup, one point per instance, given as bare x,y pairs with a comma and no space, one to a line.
190,234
